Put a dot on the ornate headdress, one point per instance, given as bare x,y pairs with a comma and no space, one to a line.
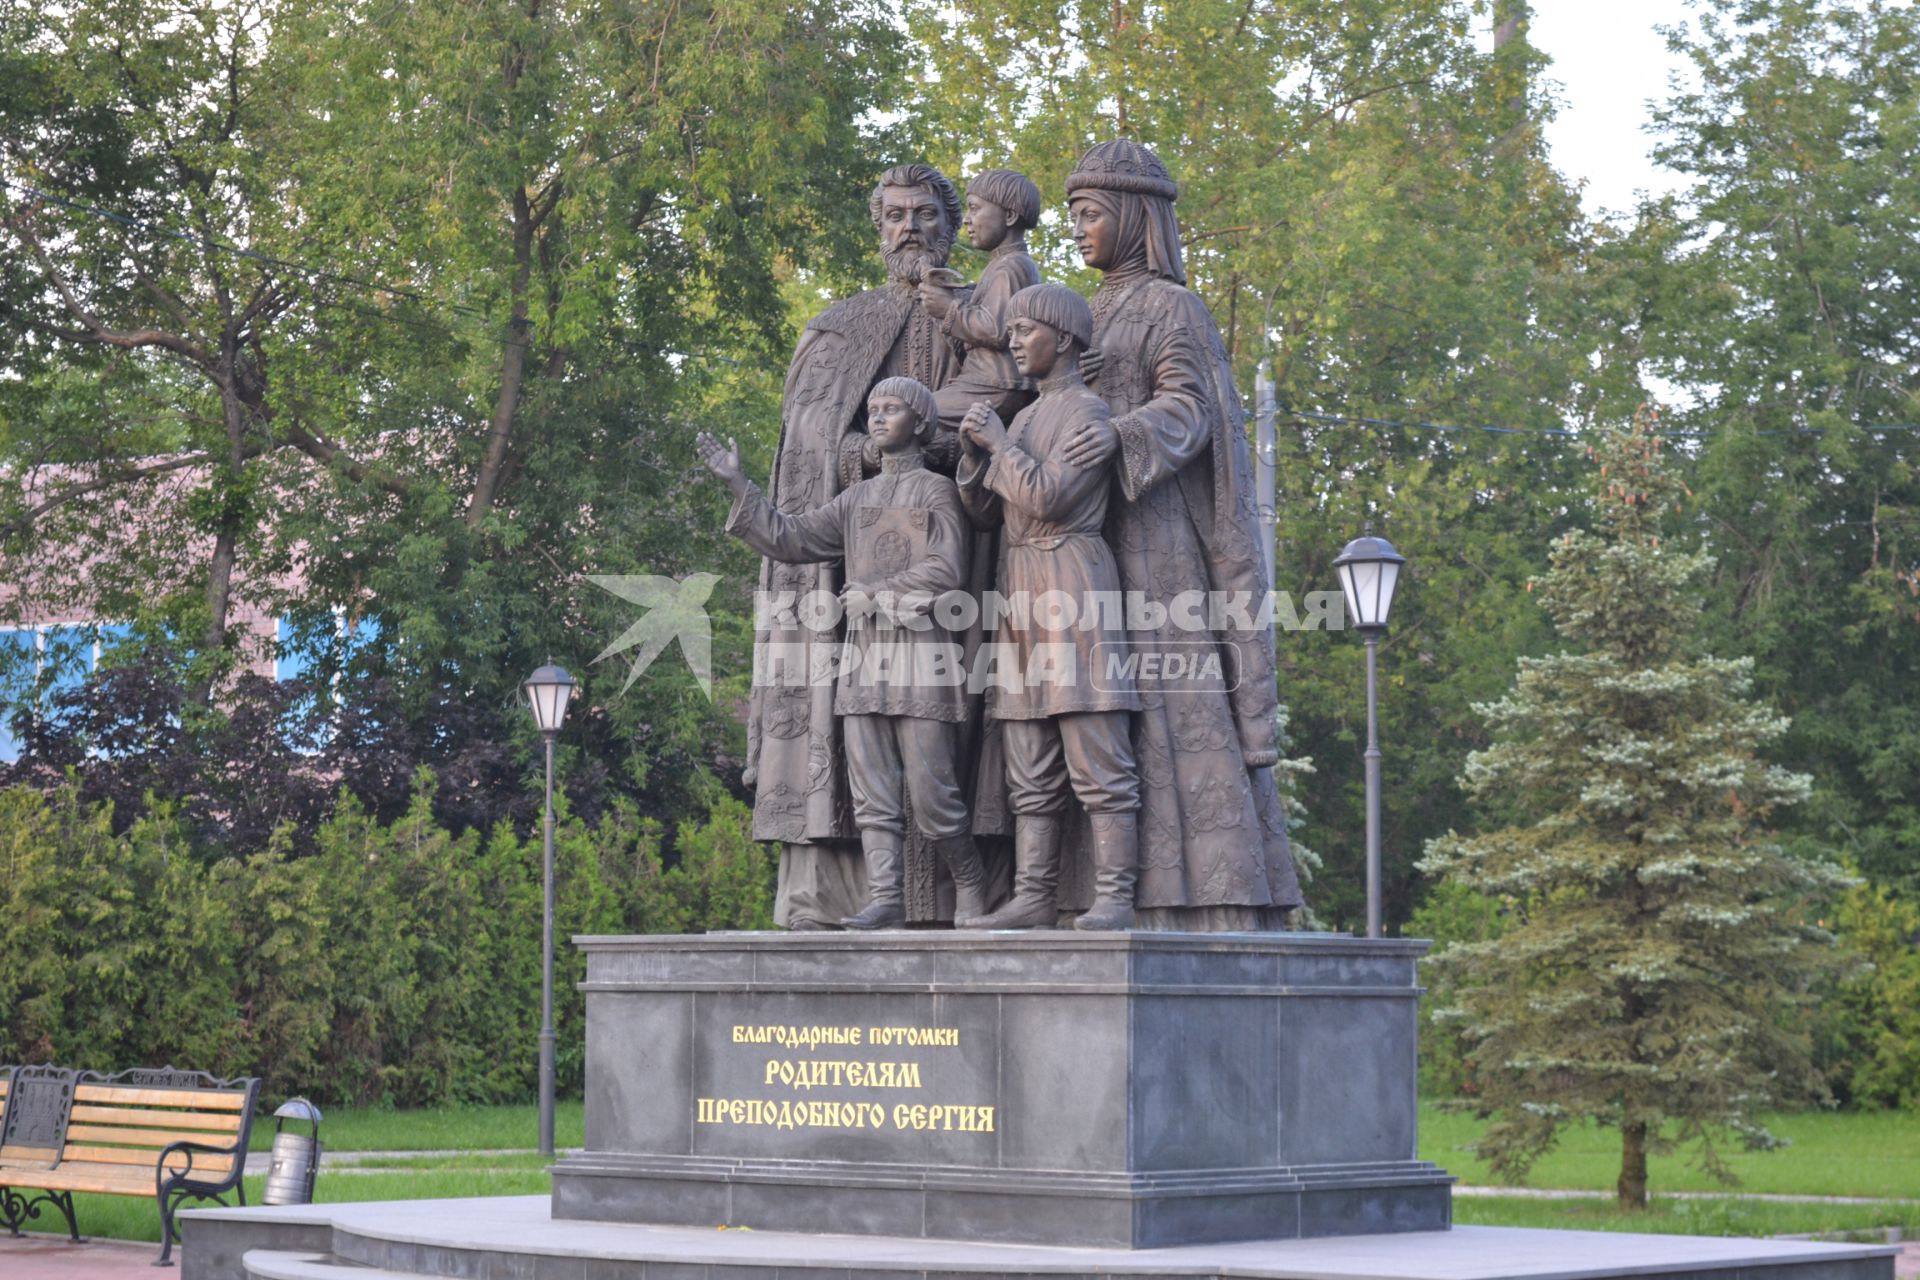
1123,165
1132,182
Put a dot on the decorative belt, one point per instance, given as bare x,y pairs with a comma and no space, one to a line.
1050,541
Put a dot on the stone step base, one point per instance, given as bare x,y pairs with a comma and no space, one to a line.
514,1238
279,1264
1052,1207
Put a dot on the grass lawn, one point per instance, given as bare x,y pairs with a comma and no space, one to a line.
1668,1216
513,1162
435,1128
1839,1154
1833,1153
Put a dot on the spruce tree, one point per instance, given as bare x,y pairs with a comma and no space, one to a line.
1659,939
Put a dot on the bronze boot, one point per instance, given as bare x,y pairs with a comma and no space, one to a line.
969,880
1116,857
1036,861
886,908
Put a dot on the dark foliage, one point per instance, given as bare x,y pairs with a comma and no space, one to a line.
279,754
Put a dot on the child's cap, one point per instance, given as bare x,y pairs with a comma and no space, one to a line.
1012,191
1057,307
914,392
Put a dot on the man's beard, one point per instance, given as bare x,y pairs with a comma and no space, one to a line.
909,265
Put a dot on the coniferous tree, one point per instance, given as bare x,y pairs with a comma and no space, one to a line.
1659,938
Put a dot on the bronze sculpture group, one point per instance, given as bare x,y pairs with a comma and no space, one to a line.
941,443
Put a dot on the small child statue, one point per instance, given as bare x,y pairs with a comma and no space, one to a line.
1057,731
1001,206
901,696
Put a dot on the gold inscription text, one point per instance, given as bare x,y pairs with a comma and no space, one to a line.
916,1037
788,1114
796,1037
965,1119
830,1073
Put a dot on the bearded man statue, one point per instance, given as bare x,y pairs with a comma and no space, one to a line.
795,758
1214,853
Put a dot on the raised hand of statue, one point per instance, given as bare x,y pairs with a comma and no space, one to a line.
983,428
1090,361
1092,444
721,459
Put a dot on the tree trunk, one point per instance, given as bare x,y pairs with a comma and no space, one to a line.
1510,20
1632,1188
513,364
1508,15
243,403
213,637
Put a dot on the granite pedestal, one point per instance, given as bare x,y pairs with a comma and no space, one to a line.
1126,1090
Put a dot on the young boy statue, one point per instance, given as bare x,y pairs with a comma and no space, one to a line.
900,699
1001,206
1064,721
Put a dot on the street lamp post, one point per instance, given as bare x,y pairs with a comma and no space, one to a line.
1369,571
548,690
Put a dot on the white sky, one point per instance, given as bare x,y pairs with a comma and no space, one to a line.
1608,61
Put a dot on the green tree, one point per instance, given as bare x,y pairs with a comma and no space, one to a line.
406,313
1659,939
1876,1015
146,350
1368,208
725,878
119,949
1780,301
284,965
1451,913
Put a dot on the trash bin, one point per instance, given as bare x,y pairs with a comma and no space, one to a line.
296,1156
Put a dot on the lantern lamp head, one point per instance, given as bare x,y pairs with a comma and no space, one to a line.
1369,572
548,690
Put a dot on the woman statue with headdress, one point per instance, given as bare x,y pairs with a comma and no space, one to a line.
1214,853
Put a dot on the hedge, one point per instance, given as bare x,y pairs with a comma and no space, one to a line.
393,964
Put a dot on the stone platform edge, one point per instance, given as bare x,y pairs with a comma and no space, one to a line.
514,1237
1037,1182
1053,1207
1022,962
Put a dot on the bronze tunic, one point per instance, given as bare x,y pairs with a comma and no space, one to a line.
980,322
1054,516
1213,838
904,533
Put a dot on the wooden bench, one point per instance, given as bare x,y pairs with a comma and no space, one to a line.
173,1135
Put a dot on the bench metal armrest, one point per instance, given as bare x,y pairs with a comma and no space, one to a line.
172,1186
182,1177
